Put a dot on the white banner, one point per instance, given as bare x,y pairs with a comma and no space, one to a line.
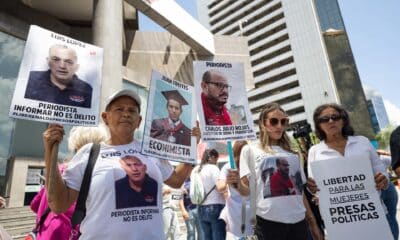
171,114
349,202
59,80
221,95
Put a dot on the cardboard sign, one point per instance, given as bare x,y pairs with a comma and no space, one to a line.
349,203
59,80
171,114
224,111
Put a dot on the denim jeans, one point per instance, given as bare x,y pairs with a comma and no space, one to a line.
211,227
192,225
389,197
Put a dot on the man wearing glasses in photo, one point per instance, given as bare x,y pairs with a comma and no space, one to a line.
215,93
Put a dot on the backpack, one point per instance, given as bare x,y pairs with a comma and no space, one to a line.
197,191
196,188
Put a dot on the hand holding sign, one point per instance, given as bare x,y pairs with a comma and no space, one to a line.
381,181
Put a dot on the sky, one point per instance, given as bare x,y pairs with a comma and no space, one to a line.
374,32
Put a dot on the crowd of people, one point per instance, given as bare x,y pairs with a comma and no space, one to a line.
134,196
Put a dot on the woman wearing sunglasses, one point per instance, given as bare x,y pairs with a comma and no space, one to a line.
332,126
280,205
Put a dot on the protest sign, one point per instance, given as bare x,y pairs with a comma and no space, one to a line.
222,99
59,80
349,203
171,114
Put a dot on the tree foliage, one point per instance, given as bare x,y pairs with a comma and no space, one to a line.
383,137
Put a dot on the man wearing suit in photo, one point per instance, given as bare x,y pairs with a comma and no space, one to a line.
172,129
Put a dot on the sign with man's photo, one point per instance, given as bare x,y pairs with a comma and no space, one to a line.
171,114
224,111
59,80
349,203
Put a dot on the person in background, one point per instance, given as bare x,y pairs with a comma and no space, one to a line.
171,204
58,226
211,227
395,150
278,217
390,197
3,234
232,212
2,202
189,213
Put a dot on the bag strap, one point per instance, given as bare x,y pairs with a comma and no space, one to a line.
42,219
250,162
80,209
243,226
205,197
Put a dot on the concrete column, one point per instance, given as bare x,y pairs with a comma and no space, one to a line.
107,33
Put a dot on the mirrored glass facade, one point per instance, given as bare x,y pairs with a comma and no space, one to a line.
329,15
11,50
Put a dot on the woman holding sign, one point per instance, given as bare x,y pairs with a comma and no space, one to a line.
332,126
282,212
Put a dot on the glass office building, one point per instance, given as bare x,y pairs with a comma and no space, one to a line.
377,110
300,55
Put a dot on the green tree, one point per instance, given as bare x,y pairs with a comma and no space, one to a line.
383,137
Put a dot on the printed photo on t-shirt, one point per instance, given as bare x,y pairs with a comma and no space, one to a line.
137,188
281,176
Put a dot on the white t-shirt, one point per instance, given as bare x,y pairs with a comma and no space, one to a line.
103,220
387,160
209,175
232,212
356,146
173,198
279,196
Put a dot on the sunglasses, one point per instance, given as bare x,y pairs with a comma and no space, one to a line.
333,117
275,121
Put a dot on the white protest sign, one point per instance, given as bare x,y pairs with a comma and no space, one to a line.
171,114
221,95
59,80
349,203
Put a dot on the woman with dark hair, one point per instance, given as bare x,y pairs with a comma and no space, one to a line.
332,125
288,215
211,227
339,114
333,128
